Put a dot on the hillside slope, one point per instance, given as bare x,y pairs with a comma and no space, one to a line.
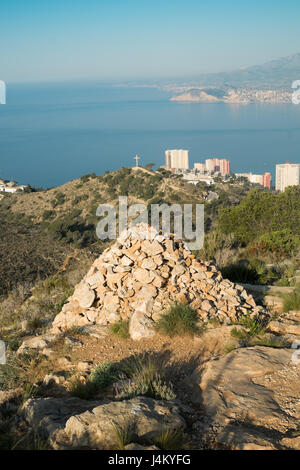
278,73
39,229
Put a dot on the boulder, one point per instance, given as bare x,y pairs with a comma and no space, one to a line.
37,342
140,326
284,326
48,416
72,423
95,428
251,395
84,294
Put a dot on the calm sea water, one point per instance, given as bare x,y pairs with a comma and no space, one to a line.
50,134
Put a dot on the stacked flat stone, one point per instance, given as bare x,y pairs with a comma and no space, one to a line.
138,279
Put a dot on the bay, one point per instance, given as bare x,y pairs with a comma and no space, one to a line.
52,133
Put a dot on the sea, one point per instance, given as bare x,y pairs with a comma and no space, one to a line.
51,133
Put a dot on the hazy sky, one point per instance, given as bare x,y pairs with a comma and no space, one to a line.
138,39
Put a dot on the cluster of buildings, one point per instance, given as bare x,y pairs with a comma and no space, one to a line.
263,180
10,186
177,161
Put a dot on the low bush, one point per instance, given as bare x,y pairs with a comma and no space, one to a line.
144,376
48,214
254,325
283,242
292,301
104,374
79,198
34,323
179,320
121,329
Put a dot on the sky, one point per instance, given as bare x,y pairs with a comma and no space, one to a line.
119,40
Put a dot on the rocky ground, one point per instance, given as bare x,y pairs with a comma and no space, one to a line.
78,384
247,398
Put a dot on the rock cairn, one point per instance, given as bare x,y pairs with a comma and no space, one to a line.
138,279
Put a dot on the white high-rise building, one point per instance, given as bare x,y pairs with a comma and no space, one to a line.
287,174
177,159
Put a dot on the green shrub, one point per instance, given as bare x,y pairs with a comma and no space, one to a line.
72,228
48,214
253,325
292,301
145,377
179,320
77,199
101,377
155,388
85,178
280,241
59,305
54,283
104,374
60,198
9,375
285,276
264,212
34,323
121,328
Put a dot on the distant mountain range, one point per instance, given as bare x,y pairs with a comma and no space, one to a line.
279,73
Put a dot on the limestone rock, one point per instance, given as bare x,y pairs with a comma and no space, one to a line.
48,416
36,342
239,437
72,423
97,331
51,379
283,327
291,443
84,366
252,394
140,326
84,295
94,428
